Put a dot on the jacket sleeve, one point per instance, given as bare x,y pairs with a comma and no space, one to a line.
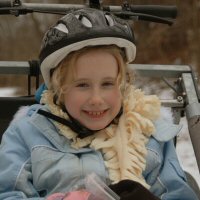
170,176
15,168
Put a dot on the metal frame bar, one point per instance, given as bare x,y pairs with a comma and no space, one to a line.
168,71
14,67
192,113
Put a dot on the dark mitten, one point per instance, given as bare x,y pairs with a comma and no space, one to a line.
129,190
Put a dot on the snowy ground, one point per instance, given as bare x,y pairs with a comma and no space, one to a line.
184,146
7,92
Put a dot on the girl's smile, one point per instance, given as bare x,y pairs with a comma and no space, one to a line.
96,114
94,97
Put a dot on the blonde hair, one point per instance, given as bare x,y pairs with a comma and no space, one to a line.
64,74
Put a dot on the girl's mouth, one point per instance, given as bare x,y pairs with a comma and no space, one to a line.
95,114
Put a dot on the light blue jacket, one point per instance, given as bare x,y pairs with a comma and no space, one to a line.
36,161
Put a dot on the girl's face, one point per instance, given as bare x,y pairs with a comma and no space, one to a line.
94,97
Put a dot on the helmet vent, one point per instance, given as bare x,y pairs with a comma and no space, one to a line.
84,20
62,28
109,20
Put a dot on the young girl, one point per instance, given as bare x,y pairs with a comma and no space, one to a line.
91,120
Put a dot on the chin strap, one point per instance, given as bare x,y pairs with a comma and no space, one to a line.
77,127
73,124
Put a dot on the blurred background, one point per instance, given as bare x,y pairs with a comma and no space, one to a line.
20,40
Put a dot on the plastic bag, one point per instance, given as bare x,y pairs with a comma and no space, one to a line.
98,189
89,188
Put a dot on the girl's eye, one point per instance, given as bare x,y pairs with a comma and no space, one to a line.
82,85
108,84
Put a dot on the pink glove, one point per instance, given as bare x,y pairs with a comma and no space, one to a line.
75,195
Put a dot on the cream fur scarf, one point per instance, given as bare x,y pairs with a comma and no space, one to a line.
122,144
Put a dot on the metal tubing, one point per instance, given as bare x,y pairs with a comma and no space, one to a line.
171,71
192,114
53,7
194,130
14,67
172,103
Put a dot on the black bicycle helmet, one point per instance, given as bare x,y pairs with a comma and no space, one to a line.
81,28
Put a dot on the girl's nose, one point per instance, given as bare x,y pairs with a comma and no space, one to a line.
96,98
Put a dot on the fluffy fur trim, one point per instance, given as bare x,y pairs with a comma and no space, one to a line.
22,111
